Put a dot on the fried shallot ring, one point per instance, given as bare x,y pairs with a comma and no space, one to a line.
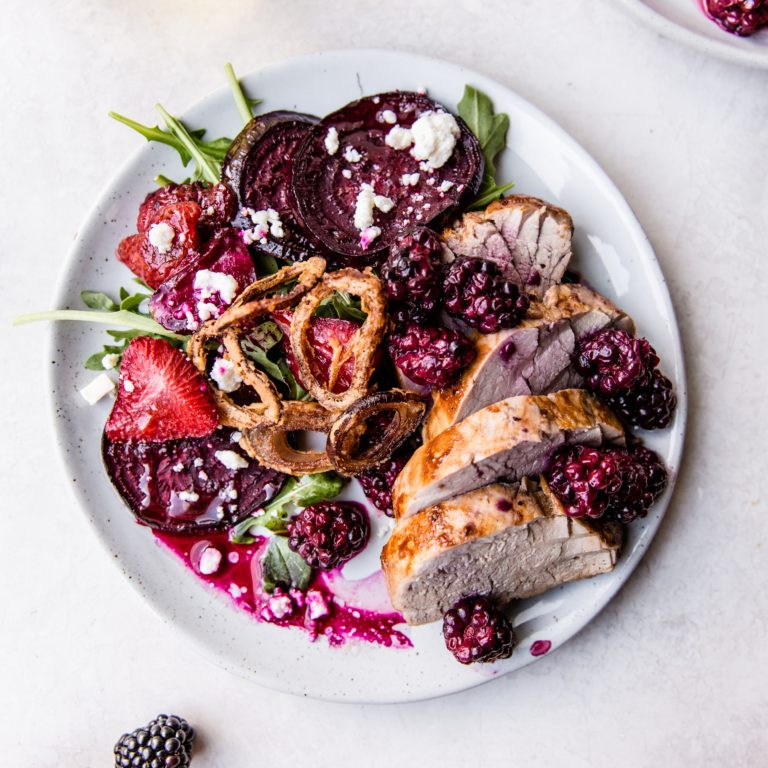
254,301
363,345
407,411
268,443
230,413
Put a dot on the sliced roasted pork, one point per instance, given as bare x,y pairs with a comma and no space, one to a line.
533,358
507,440
528,238
504,541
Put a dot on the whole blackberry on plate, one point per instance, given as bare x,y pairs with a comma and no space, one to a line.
740,17
377,482
430,356
329,534
412,273
611,483
476,631
476,292
612,361
165,742
650,405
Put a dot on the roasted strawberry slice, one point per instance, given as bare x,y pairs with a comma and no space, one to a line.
203,288
160,396
330,337
218,204
170,239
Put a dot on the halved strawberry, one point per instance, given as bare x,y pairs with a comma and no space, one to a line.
148,261
160,395
330,339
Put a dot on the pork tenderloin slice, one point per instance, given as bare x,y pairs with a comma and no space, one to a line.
510,439
529,239
534,358
504,541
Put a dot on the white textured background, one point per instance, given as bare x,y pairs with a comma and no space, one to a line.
675,671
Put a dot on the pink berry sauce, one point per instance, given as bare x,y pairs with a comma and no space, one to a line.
540,647
324,610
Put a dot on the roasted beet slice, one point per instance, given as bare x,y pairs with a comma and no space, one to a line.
218,204
189,486
367,149
258,166
181,303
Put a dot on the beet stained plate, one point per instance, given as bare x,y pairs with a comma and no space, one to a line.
327,185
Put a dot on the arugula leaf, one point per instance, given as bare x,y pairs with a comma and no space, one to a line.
97,300
208,155
309,489
341,305
282,566
242,102
476,109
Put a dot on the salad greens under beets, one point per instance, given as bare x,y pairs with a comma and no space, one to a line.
281,566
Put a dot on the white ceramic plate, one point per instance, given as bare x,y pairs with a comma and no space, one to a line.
612,252
685,21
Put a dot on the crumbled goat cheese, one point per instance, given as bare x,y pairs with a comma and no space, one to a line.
280,606
210,561
188,496
332,141
235,437
367,236
206,310
445,186
434,138
108,362
225,375
231,460
101,386
161,236
266,222
388,116
203,475
366,201
198,462
399,137
128,385
351,155
317,607
178,467
346,173
208,283
409,179
383,203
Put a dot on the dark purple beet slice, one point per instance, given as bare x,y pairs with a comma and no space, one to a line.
181,487
175,303
258,166
327,185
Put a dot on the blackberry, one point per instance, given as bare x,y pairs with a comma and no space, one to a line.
329,534
614,483
403,314
165,742
476,631
648,406
412,273
739,17
377,482
612,361
475,291
430,356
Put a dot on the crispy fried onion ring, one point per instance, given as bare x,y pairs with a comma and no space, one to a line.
255,301
268,443
363,346
344,439
252,303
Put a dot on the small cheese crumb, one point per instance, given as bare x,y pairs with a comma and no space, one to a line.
101,386
346,173
409,179
399,138
208,283
210,561
388,116
198,462
445,186
231,460
351,155
280,606
384,204
317,607
332,141
108,362
225,375
235,437
128,385
265,222
178,467
368,236
188,496
161,236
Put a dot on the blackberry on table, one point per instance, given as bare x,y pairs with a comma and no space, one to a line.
165,742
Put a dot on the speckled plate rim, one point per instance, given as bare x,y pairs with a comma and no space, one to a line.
608,586
755,57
